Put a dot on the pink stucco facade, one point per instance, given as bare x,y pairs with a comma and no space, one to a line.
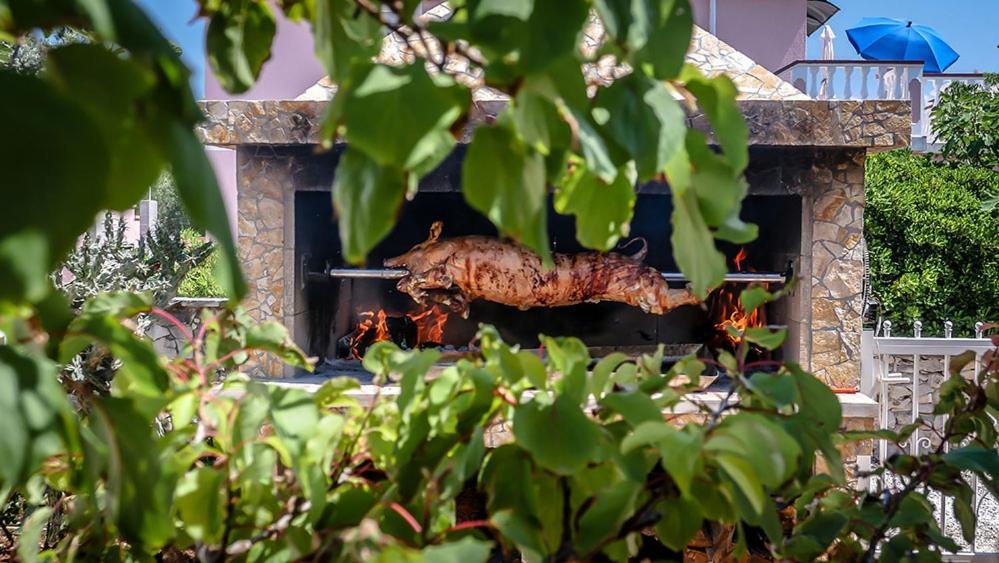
771,32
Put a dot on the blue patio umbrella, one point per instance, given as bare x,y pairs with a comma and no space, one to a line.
884,39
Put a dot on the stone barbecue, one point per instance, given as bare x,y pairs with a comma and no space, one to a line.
806,177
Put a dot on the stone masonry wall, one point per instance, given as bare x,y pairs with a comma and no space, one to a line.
831,266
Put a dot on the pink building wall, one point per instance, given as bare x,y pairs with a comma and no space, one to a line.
771,32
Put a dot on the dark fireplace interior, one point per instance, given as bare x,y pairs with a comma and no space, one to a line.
344,315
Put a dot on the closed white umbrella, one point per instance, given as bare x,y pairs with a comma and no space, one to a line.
828,54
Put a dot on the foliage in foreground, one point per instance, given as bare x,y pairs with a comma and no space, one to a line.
191,459
934,252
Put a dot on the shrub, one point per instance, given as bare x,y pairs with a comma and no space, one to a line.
201,280
179,465
934,252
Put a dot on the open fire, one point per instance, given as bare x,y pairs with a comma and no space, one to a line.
415,329
727,308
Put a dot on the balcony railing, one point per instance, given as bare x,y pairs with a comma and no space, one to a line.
878,80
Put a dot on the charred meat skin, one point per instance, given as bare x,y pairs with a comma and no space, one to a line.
453,272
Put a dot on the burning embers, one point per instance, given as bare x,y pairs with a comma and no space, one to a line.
415,329
725,307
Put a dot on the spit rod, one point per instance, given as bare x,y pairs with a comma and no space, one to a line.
394,274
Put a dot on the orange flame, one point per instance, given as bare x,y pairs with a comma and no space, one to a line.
373,327
728,308
429,324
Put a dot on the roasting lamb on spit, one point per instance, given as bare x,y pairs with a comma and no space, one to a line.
456,271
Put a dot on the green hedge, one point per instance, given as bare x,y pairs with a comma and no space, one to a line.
934,252
200,281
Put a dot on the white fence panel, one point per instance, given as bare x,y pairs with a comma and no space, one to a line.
904,374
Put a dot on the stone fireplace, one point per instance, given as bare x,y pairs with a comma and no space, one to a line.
806,179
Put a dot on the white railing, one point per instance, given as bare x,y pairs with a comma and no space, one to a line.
903,374
878,80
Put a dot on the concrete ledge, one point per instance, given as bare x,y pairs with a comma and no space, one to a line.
879,125
855,405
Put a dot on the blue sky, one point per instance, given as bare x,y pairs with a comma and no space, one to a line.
970,26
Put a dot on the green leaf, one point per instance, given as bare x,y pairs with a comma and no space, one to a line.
610,509
558,436
759,441
764,337
679,449
35,416
59,146
348,507
29,542
601,373
382,122
719,190
964,512
603,211
693,246
238,42
344,35
534,369
84,73
24,266
818,402
716,97
593,146
813,536
680,522
753,298
662,55
202,199
295,416
367,198
139,489
570,358
742,474
681,456
505,180
776,387
517,36
200,503
636,407
980,460
465,550
272,336
644,120
539,122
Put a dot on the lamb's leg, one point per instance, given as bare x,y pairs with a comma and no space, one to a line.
416,285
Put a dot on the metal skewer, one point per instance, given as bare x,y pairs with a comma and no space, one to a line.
394,274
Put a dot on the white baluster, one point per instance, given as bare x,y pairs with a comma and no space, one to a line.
831,79
864,69
901,82
848,81
881,82
813,83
